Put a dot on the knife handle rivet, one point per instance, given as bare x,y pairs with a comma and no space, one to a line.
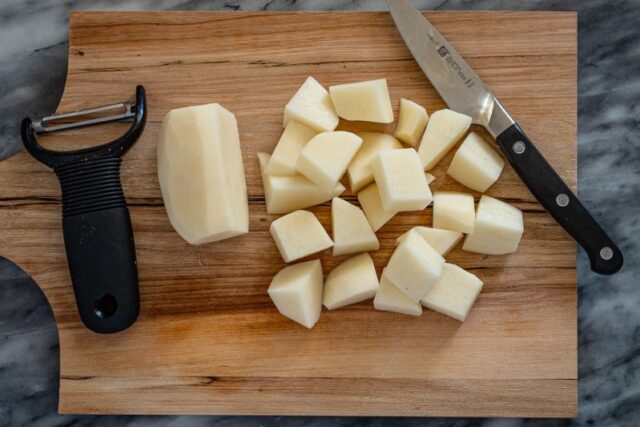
606,253
519,147
562,200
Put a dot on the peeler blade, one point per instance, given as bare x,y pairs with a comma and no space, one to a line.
95,116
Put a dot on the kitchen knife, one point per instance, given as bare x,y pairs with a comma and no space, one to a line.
463,91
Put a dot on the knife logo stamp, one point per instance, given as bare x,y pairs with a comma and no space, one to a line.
443,51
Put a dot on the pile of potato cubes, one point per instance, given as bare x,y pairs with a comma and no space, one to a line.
387,173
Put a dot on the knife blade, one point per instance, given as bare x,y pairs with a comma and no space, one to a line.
463,91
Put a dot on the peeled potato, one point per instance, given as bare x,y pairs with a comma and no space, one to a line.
444,130
498,230
441,240
285,155
311,106
476,164
353,281
411,122
201,174
299,234
359,171
368,101
296,292
325,158
454,294
453,211
390,298
352,232
369,199
285,194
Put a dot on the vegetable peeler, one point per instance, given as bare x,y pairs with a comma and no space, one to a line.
98,235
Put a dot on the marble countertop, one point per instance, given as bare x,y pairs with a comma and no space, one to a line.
33,51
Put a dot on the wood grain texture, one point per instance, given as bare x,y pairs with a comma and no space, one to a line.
208,340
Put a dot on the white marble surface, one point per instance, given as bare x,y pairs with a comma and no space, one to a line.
32,72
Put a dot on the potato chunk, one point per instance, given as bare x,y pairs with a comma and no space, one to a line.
454,294
284,194
299,234
201,174
296,292
476,164
352,232
430,178
353,281
444,130
311,106
285,155
498,230
454,211
390,298
441,240
369,199
368,101
359,171
412,121
401,180
414,266
325,158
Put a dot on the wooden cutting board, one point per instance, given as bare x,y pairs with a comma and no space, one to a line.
208,340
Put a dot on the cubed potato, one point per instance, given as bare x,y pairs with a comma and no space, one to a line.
359,171
476,164
412,121
296,292
299,234
454,294
401,180
353,281
285,155
441,240
285,194
201,174
312,106
352,232
368,101
414,267
369,199
498,230
444,130
454,211
430,178
390,298
325,158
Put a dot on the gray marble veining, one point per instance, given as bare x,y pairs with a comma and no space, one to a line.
32,73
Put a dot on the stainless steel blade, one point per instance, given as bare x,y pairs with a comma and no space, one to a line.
456,82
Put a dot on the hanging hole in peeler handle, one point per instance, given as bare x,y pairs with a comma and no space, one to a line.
105,306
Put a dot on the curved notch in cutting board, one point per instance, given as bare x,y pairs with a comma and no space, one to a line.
208,339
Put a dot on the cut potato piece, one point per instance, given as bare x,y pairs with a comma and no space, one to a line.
299,234
401,180
325,158
296,292
353,281
498,230
285,155
444,129
412,121
430,178
454,211
368,101
476,164
454,294
311,106
369,199
359,171
352,232
414,266
284,194
390,298
201,174
441,240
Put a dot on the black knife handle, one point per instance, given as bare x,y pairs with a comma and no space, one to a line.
558,199
98,239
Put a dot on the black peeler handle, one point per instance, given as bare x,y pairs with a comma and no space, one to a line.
559,200
98,235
